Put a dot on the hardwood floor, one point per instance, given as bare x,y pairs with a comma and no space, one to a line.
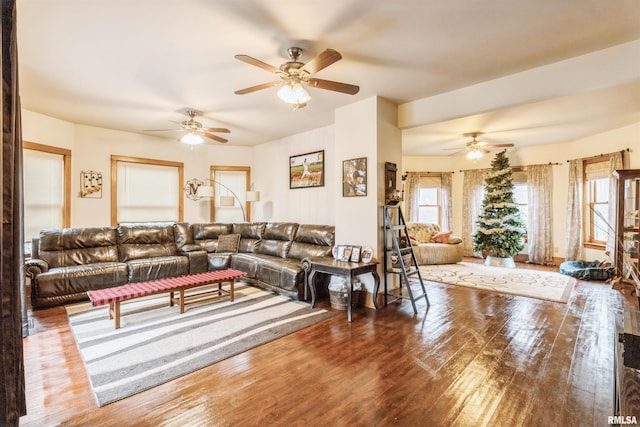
474,358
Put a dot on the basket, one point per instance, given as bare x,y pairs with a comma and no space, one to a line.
338,299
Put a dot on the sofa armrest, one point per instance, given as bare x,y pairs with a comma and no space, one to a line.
198,262
34,266
189,248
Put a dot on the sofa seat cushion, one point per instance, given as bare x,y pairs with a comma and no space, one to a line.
81,278
270,270
438,253
247,263
142,270
281,273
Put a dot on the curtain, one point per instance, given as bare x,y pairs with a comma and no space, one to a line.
615,163
472,195
412,184
446,212
540,220
12,401
574,212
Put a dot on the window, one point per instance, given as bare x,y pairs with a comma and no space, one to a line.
145,190
231,181
596,202
430,198
47,188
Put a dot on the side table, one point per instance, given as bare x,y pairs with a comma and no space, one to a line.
349,270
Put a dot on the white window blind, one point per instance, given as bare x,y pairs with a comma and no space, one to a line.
147,192
236,181
43,192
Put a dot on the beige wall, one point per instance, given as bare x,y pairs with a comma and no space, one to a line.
91,149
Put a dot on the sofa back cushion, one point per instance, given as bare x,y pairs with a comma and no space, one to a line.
312,240
422,231
206,234
146,240
277,238
77,246
250,235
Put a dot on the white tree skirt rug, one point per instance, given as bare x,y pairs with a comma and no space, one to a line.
529,283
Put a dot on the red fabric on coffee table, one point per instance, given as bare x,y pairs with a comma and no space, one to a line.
105,296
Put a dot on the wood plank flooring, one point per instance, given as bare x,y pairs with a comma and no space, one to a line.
474,358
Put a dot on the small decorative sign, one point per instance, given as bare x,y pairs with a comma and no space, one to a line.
91,184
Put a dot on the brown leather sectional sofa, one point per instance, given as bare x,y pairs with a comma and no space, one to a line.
66,263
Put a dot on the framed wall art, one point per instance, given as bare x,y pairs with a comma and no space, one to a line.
354,177
306,170
91,184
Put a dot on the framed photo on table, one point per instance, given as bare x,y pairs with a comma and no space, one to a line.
346,254
355,253
306,170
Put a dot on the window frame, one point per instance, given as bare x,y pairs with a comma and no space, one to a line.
115,159
588,223
438,204
66,164
212,176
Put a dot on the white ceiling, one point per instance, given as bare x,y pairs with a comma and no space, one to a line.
136,64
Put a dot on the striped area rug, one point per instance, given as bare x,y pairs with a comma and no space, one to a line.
156,343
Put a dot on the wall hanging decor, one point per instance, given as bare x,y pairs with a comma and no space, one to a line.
91,184
306,170
354,177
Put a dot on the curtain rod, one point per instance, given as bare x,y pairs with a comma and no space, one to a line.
515,167
602,155
404,174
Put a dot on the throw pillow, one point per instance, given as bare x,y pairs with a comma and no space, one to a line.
454,240
441,237
228,243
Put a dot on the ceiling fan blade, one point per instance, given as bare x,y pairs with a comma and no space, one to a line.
499,146
322,60
223,130
214,137
256,88
257,63
163,130
335,86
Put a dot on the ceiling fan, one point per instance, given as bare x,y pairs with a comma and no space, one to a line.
194,131
476,149
294,74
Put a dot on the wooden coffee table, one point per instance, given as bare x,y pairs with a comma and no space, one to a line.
117,294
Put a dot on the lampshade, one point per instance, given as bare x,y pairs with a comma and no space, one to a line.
253,196
474,154
192,138
294,93
227,201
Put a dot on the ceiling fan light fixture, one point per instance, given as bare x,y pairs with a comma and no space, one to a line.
192,138
293,93
474,154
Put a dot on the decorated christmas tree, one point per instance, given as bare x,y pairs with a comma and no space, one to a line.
499,226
